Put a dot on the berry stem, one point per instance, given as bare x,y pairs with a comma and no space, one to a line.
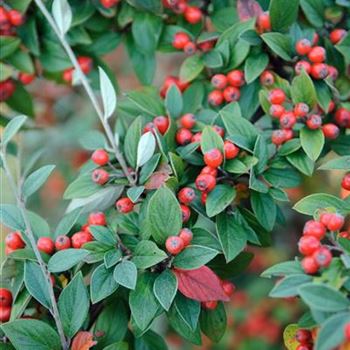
89,91
16,190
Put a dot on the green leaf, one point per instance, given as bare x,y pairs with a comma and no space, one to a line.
62,14
131,141
173,101
108,94
308,205
73,305
6,71
104,235
12,128
125,274
143,303
312,142
150,341
102,284
188,310
302,162
254,66
303,90
279,44
8,44
210,139
31,334
285,268
66,259
314,11
67,222
81,187
20,5
168,221
117,346
264,208
191,68
213,322
112,257
193,257
288,286
37,283
134,193
323,298
35,180
219,199
147,254
22,61
341,163
165,288
231,231
145,148
21,101
283,14
331,333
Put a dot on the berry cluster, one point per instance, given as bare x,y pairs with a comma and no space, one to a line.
5,304
85,64
182,41
305,339
171,80
317,255
314,58
109,3
227,87
191,14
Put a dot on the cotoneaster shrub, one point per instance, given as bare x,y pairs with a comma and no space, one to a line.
186,177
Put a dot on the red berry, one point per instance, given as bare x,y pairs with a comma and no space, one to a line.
219,81
213,158
231,94
301,109
5,313
347,331
4,19
228,288
216,98
314,228
7,88
205,182
80,238
67,75
309,265
263,22
287,120
317,54
342,117
14,241
180,40
98,219
277,96
46,245
236,78
219,130
308,245
185,212
345,183
188,121
276,110
267,78
186,195
161,123
5,297
100,176
100,157
109,3
278,137
85,64
180,7
314,121
303,336
210,305
288,134
209,171
230,149
183,136
149,127
15,17
174,245
186,235
336,35
325,218
330,131
62,242
323,257
319,71
193,14
303,47
26,78
304,347
169,81
344,234
302,65
206,46
190,48
333,72
336,222
315,39
196,137
124,205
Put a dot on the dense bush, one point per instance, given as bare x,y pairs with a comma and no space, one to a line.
186,177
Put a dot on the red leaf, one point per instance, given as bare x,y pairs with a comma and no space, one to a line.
200,284
83,341
247,9
158,178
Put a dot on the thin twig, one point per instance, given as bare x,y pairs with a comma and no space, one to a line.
88,90
28,230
